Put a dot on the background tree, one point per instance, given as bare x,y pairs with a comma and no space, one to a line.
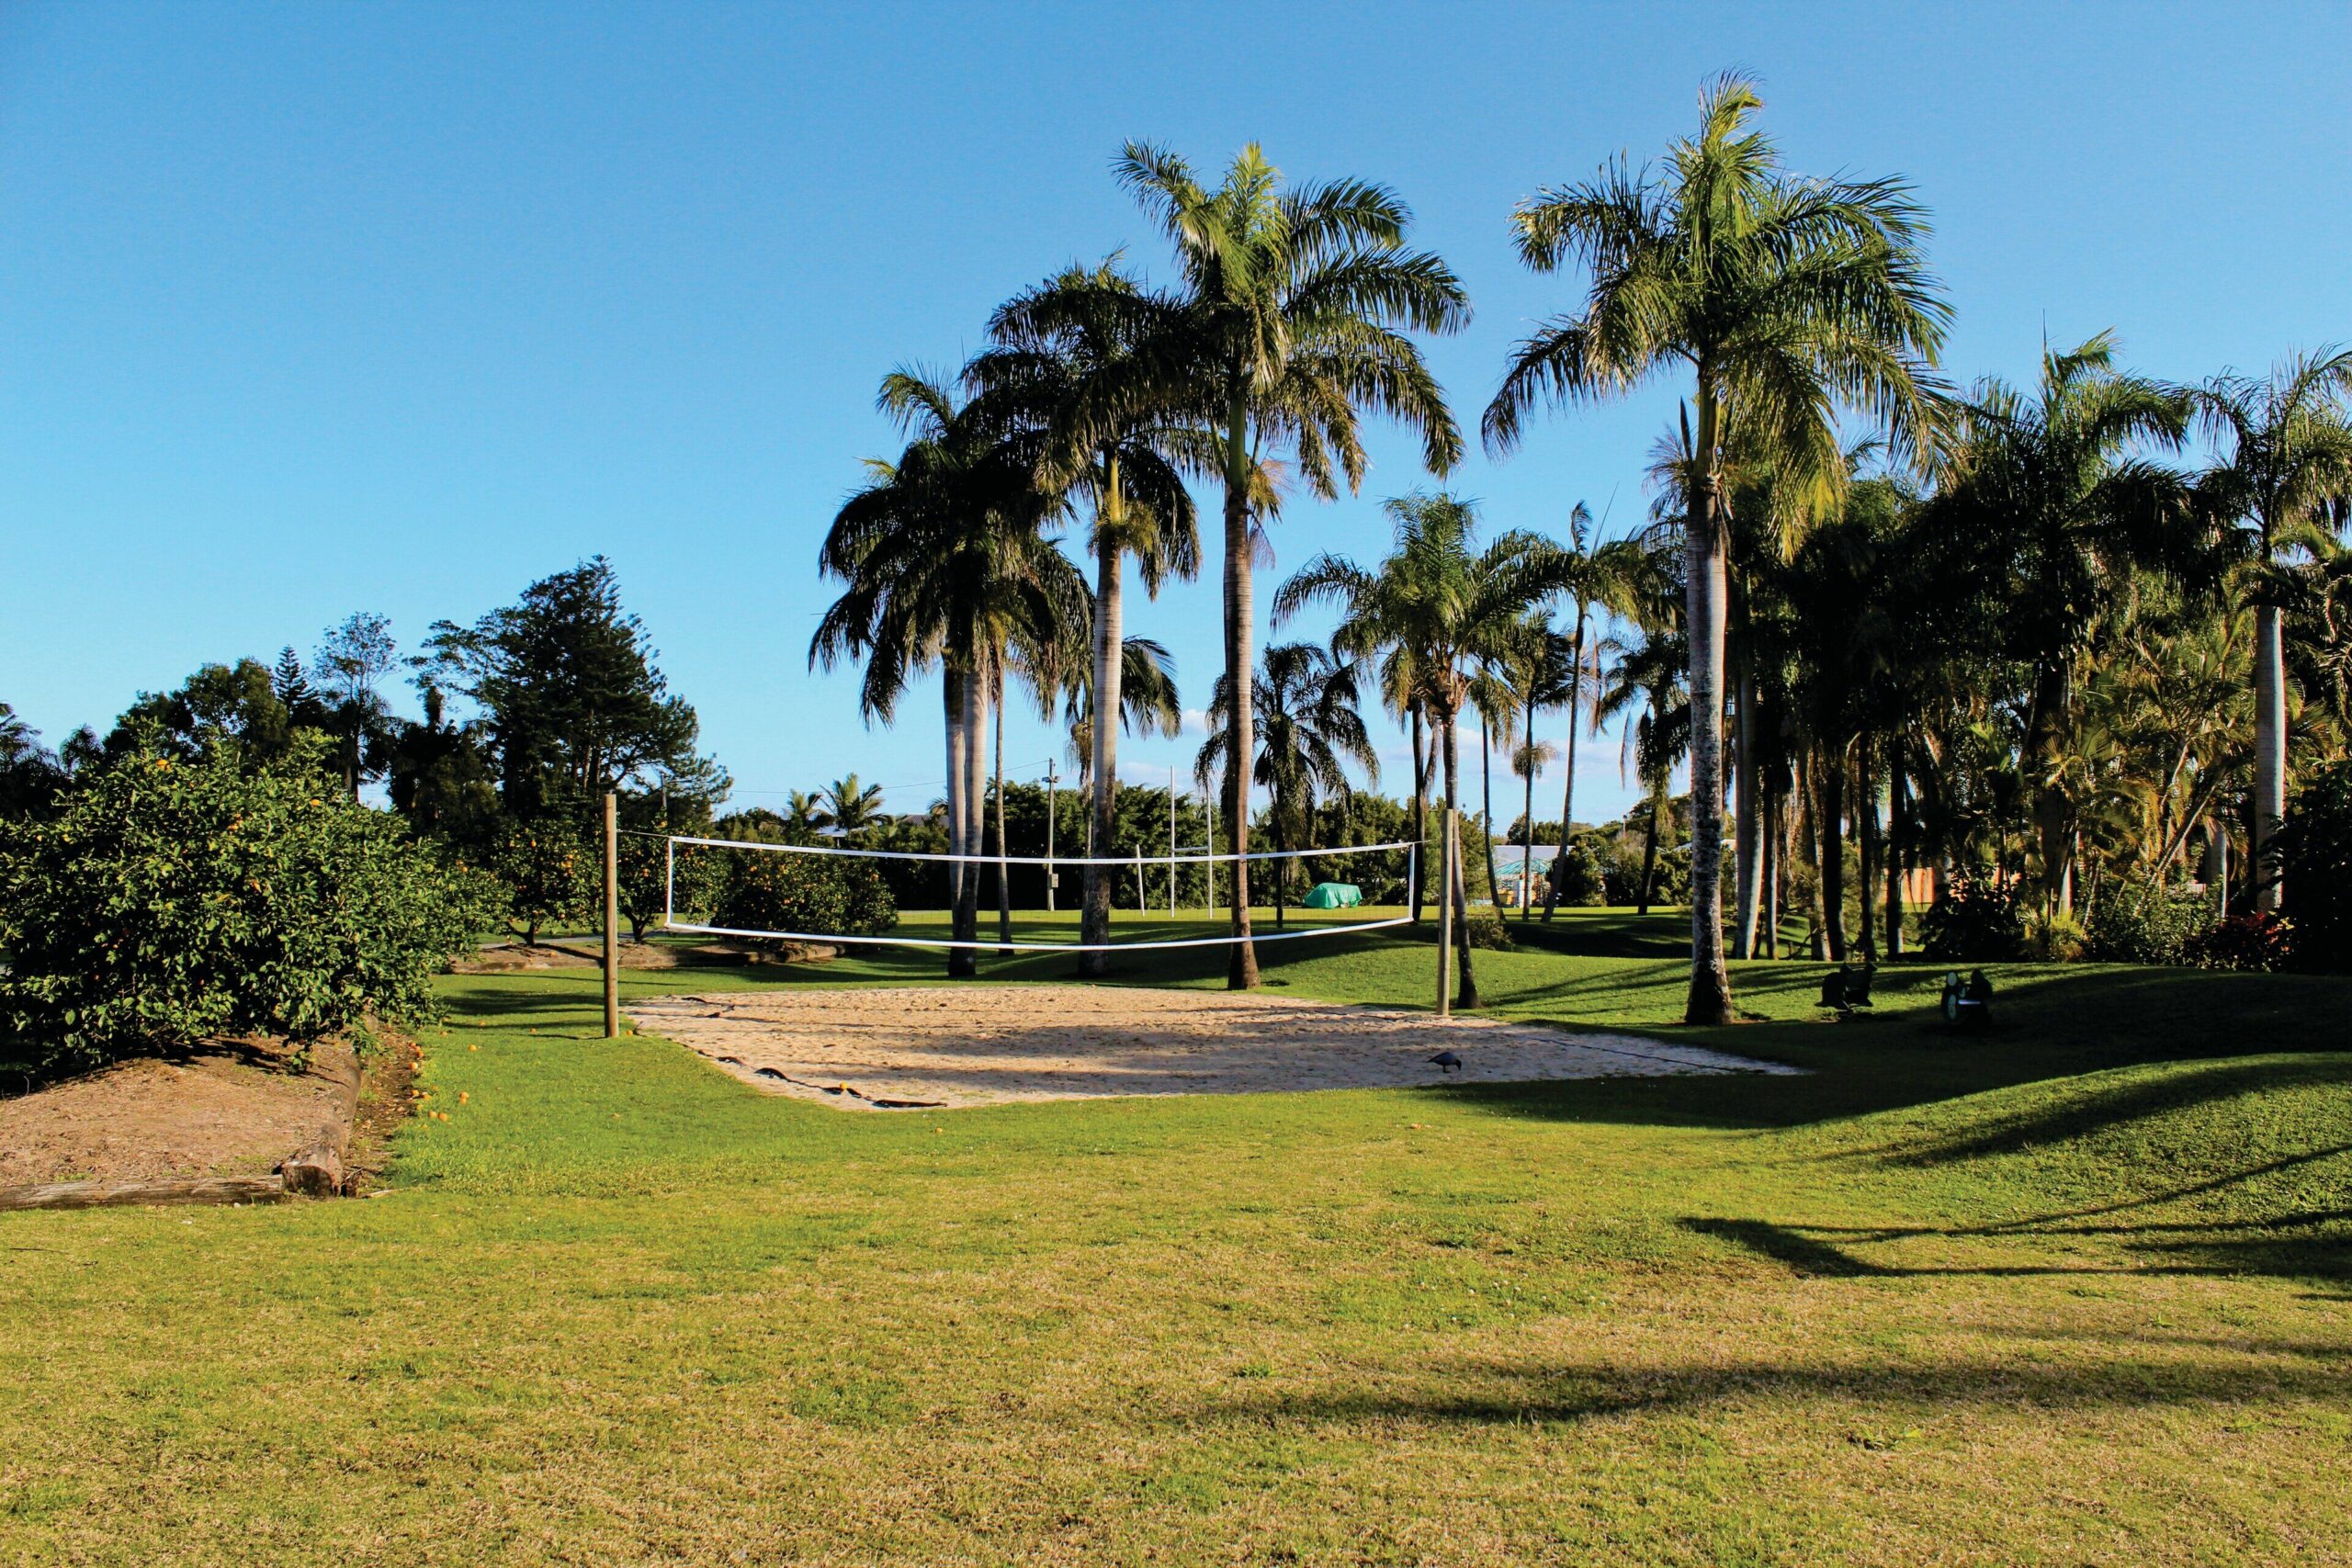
1309,729
2287,457
850,806
572,702
1292,304
1066,357
350,665
220,701
1784,298
1432,608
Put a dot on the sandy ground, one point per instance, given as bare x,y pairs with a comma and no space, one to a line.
957,1046
217,1113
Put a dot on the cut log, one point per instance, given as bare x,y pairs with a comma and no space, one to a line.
110,1194
316,1169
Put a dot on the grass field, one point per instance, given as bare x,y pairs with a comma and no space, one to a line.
2074,1292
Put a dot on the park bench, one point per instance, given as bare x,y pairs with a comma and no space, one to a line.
1846,989
1967,1004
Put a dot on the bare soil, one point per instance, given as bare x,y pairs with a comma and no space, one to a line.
235,1109
955,1048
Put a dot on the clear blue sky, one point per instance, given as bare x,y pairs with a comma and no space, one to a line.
312,308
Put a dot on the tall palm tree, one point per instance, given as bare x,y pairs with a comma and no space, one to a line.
1066,352
1784,298
2288,457
1645,688
947,561
2063,507
1307,728
1293,303
1434,607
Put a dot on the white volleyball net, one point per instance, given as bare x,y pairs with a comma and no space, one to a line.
734,887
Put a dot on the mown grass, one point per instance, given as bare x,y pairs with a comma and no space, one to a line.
2073,1291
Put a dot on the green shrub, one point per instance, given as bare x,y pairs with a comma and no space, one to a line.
173,900
2260,940
550,872
806,892
1976,923
2137,924
2314,856
2055,938
1582,875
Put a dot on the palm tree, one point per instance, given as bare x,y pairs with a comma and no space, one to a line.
1292,306
1784,298
1066,352
1645,687
1307,728
1595,576
947,561
1431,610
2289,455
849,806
2065,511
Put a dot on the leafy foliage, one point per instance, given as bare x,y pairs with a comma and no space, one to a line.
1977,922
2260,941
2135,923
2315,860
550,869
804,893
172,901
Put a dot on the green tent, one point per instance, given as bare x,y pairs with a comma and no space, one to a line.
1334,896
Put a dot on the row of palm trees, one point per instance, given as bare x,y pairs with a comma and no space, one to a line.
1794,312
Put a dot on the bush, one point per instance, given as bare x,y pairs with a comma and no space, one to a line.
804,892
550,872
2314,853
171,901
2260,941
2137,924
1976,923
2055,938
1583,878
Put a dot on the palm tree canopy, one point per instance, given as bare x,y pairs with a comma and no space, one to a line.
1296,303
1308,726
944,551
1788,295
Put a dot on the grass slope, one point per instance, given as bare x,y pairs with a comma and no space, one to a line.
2074,1292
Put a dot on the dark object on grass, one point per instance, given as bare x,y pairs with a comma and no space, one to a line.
1446,1062
1846,989
1967,1005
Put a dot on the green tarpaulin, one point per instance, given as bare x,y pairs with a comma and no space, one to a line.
1334,896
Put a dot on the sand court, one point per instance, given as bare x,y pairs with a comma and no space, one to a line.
956,1046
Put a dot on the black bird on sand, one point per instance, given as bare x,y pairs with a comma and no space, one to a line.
1446,1062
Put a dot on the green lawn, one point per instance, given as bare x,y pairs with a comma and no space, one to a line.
2074,1292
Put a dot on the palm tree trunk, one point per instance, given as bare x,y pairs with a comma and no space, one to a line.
1003,884
1094,919
1866,829
1420,809
2269,754
963,962
1527,819
1745,836
1897,840
952,686
1281,868
1457,894
1768,878
1568,788
1242,973
1649,847
1705,594
1833,851
1817,938
1487,806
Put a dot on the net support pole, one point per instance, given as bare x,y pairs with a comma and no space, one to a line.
1445,922
1172,844
669,878
612,917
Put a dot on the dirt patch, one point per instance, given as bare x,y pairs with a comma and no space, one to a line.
505,958
236,1109
954,1047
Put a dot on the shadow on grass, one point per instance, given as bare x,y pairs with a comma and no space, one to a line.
1470,1393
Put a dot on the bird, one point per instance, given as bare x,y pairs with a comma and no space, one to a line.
1446,1062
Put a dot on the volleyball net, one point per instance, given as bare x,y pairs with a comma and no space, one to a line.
743,888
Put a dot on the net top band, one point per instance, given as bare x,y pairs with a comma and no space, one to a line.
1150,857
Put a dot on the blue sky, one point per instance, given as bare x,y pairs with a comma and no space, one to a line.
306,310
